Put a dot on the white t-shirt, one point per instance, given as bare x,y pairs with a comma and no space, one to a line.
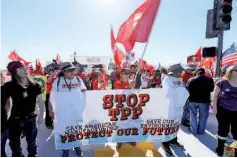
66,83
162,77
144,81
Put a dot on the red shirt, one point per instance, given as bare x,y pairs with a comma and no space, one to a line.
186,76
121,85
95,85
156,80
49,86
81,75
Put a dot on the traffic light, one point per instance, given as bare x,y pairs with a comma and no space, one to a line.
223,14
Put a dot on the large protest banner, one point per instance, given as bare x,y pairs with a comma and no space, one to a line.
98,117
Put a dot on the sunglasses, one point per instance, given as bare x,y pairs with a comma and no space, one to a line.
70,70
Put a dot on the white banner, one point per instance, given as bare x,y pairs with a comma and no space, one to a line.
104,60
98,117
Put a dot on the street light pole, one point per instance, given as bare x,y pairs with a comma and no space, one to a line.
219,53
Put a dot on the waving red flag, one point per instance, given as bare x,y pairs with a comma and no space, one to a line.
151,67
138,26
14,56
39,68
112,38
58,58
118,54
199,54
207,62
142,64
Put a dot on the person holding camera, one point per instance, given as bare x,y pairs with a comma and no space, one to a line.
50,79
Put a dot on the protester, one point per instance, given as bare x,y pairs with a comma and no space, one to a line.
4,125
223,71
111,65
113,77
122,83
133,75
186,75
200,88
98,82
156,79
172,80
67,82
225,108
145,80
223,77
24,94
50,79
163,73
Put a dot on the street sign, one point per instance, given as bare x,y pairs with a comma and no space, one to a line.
211,32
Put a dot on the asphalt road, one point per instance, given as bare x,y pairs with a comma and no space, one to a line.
199,146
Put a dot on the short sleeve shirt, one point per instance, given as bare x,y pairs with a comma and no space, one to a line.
67,85
228,95
23,99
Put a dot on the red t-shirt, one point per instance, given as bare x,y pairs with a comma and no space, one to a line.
81,75
121,85
186,76
49,85
95,85
115,75
156,80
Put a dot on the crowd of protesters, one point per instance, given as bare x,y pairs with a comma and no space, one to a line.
26,99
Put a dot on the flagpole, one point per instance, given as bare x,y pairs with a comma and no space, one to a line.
144,51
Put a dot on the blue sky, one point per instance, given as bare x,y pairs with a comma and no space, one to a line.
41,29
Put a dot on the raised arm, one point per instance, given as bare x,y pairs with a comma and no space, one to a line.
41,108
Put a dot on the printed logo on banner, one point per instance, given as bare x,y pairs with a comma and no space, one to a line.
114,116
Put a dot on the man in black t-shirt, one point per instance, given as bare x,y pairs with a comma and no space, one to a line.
4,126
24,94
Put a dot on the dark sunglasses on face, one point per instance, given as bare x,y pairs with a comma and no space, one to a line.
70,70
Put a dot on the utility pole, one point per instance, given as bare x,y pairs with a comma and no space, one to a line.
219,53
221,22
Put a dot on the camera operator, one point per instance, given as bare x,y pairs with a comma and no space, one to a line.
50,79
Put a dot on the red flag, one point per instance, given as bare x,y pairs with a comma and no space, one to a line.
58,58
198,54
138,26
113,40
14,56
151,67
118,54
207,62
142,64
39,68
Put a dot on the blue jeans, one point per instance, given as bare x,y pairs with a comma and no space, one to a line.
29,127
4,137
198,127
186,113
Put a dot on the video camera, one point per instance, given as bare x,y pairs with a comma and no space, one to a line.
54,66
